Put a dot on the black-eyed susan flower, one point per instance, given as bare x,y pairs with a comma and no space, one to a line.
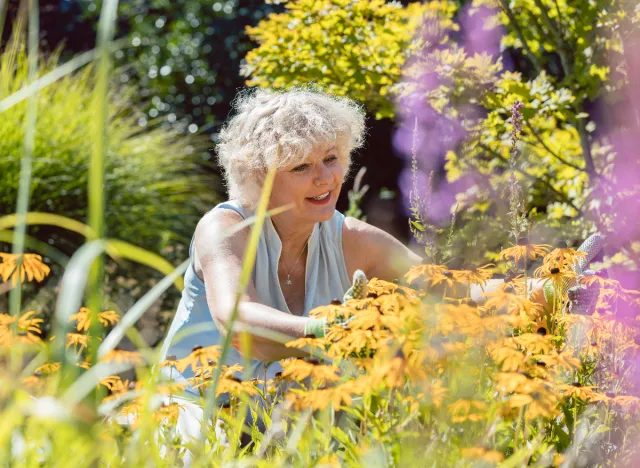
301,369
168,413
122,356
425,271
378,287
534,343
321,398
524,251
112,382
106,318
16,267
577,391
78,341
554,275
480,453
478,276
540,403
508,357
28,322
171,361
563,257
467,410
200,356
48,368
236,387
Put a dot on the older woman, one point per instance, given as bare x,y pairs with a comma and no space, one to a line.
307,254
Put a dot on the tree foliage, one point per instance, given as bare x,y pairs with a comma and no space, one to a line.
347,48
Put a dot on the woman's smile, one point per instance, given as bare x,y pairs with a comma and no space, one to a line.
322,199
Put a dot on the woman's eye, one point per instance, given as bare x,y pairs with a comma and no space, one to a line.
331,159
300,168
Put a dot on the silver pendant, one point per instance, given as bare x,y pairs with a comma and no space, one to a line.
287,282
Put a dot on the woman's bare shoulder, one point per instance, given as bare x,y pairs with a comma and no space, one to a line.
374,251
360,244
219,234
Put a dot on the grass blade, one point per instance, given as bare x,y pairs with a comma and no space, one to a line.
245,276
58,73
26,162
138,309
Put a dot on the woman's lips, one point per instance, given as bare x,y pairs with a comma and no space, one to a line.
319,202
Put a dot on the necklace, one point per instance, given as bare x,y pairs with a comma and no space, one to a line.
288,280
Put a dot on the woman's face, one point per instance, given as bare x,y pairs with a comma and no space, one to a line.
312,187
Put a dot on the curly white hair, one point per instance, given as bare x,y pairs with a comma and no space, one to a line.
283,127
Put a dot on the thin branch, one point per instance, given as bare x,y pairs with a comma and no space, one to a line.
551,152
586,148
547,184
560,42
520,33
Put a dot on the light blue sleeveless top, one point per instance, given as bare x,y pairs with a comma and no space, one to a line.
326,279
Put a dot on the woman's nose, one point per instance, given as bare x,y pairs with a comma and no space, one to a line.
323,175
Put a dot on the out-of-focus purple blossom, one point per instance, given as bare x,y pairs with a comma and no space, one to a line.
478,38
437,133
619,199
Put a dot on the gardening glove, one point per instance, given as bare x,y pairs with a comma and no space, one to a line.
358,290
582,299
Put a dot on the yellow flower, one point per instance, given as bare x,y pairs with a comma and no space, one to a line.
106,318
48,368
236,387
563,257
78,341
539,402
168,413
112,382
511,359
577,391
122,356
436,392
119,387
16,266
378,287
555,275
29,323
312,342
200,356
426,271
514,304
479,453
319,399
171,361
478,276
563,360
526,251
467,410
534,343
300,369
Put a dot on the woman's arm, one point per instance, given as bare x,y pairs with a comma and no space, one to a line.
374,251
381,255
221,264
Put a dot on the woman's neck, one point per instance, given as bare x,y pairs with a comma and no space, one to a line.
293,235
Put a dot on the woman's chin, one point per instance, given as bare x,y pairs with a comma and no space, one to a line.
319,213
